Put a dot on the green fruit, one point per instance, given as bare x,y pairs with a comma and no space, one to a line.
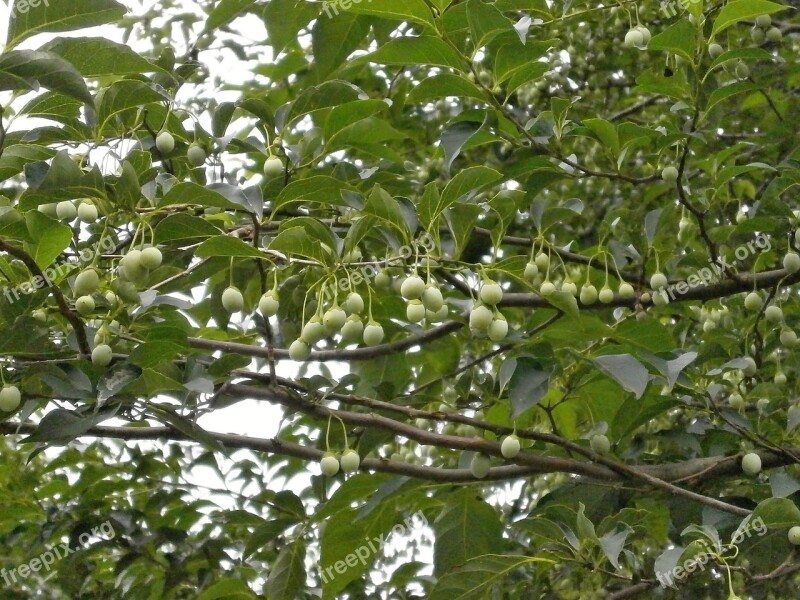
350,461
354,303
498,329
329,465
735,401
788,337
66,210
758,36
669,174
714,50
87,212
742,70
273,167
570,288
232,300
763,20
588,294
752,301
791,262
600,443
480,466
48,209
432,298
750,367
626,291
531,271
84,305
606,295
10,398
658,281
751,463
547,289
780,378
412,288
40,315
480,317
102,355
353,329
373,334
634,38
126,290
491,293
196,155
415,311
299,350
542,261
794,535
774,34
510,446
313,330
645,33
86,282
165,142
151,258
438,316
773,313
383,280
333,319
268,304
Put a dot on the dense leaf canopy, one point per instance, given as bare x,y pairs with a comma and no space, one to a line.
399,299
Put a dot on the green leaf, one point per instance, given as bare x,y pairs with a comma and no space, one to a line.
99,57
479,575
230,588
193,194
295,241
414,11
284,19
345,115
679,38
740,10
226,245
454,137
605,132
527,386
777,513
727,91
442,85
381,204
485,22
61,15
466,184
226,11
334,39
121,96
513,56
115,379
466,527
63,180
626,371
320,189
181,226
61,426
16,156
287,577
422,50
49,238
19,68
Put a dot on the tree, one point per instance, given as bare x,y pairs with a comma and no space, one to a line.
515,277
